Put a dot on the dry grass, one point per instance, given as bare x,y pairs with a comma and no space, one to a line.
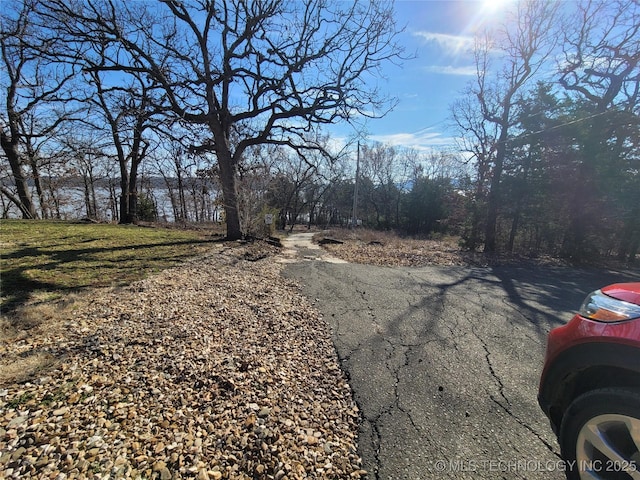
19,370
44,316
389,249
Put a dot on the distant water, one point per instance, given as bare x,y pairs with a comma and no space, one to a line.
72,205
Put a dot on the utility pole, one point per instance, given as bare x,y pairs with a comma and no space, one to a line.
354,220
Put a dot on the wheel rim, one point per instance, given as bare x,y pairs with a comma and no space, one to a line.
608,448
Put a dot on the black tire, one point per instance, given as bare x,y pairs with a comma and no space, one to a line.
607,412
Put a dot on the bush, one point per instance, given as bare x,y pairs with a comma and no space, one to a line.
147,209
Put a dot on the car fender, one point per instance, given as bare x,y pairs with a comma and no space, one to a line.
585,367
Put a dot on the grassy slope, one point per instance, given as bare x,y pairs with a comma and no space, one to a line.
45,257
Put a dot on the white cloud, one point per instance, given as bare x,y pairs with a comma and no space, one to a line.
452,43
469,70
421,140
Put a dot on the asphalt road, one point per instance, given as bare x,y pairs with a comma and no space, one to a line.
444,362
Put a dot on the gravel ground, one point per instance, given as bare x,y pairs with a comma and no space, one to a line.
215,369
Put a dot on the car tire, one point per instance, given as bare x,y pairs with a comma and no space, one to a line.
600,435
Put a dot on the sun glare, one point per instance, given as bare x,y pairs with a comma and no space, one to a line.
488,12
494,6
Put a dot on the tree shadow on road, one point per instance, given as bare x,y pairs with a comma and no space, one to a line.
560,290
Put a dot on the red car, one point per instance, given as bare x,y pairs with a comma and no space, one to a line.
590,385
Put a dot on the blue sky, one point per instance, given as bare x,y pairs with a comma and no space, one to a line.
440,34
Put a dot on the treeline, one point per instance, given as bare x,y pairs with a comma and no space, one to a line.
551,124
396,189
184,111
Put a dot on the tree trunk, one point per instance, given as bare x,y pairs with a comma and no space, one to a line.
493,199
515,224
113,200
133,206
92,190
129,195
171,193
25,204
514,229
182,199
38,184
194,197
490,233
125,217
55,200
87,200
228,180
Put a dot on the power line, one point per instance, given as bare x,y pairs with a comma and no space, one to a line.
556,127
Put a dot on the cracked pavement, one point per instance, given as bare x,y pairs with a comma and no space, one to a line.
444,362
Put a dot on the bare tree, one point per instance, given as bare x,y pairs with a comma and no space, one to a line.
250,72
172,168
478,143
87,157
524,46
387,171
35,99
127,112
602,56
293,188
